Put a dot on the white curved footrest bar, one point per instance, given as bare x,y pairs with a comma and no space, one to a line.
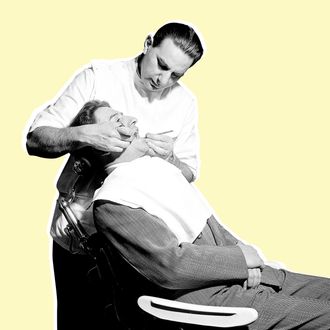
212,316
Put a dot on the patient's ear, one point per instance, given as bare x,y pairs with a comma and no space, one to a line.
148,43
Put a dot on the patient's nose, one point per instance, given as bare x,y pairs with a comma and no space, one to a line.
129,120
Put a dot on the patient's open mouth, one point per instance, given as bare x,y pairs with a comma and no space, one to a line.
154,85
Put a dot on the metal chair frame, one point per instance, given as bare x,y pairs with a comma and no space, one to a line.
167,314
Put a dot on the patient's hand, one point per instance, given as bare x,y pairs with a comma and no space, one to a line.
254,278
252,258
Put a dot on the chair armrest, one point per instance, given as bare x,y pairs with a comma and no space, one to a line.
197,314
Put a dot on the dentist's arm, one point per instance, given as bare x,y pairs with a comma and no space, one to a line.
162,146
52,142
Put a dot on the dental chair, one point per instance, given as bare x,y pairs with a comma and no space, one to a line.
127,311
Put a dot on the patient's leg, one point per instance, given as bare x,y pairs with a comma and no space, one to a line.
306,286
276,310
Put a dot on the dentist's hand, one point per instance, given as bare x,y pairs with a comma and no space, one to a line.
138,148
160,145
107,136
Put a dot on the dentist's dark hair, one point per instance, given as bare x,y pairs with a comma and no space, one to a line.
183,36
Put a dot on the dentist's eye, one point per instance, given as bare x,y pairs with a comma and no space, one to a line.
176,75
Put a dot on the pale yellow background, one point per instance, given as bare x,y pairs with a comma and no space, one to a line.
263,91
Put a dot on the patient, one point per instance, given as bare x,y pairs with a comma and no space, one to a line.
189,256
138,180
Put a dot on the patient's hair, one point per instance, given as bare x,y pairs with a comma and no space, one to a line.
86,115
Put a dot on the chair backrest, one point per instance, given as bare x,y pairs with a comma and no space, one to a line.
122,308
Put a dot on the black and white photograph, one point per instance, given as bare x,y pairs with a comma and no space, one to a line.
166,165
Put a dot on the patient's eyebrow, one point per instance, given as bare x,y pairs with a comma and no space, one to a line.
115,114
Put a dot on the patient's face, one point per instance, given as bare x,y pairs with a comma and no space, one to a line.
104,114
137,147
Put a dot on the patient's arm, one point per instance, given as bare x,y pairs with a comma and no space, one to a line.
156,253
